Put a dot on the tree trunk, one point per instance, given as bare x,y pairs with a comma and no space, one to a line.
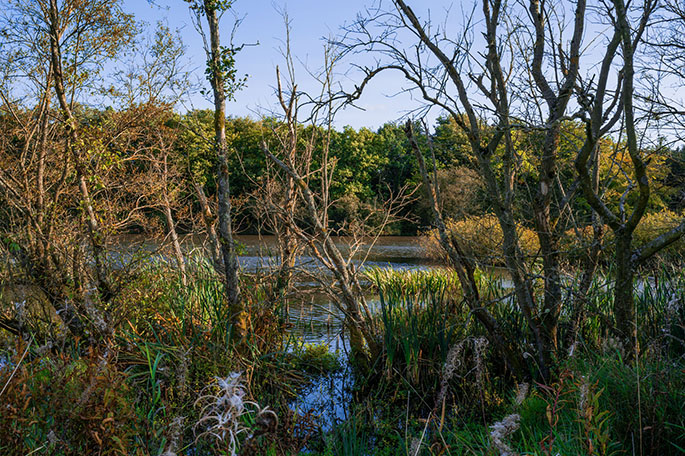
549,249
171,224
176,245
227,246
60,300
590,263
94,234
549,244
624,301
465,268
287,241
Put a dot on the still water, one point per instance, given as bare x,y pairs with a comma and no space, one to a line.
315,319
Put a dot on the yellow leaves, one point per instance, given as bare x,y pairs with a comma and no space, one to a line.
96,437
482,237
549,415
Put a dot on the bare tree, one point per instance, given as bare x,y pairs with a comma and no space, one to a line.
311,224
276,197
603,109
662,71
475,89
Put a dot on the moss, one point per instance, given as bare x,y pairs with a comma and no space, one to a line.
316,358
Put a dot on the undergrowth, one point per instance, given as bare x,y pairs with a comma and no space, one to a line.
175,378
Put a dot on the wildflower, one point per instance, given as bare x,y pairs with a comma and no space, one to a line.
501,430
572,350
221,411
522,393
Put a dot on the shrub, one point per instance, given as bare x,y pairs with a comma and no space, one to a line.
65,406
481,238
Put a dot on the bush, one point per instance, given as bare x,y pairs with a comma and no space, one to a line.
656,224
481,238
64,406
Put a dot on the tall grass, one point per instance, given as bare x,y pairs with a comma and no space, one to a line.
599,405
420,319
171,341
430,339
659,307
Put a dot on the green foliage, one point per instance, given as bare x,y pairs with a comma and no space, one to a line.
178,339
348,439
195,146
226,67
660,410
209,5
371,166
420,320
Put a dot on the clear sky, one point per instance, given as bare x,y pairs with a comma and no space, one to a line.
312,20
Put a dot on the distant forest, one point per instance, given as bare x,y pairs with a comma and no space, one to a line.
368,168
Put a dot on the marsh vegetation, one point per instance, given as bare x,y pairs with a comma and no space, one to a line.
502,279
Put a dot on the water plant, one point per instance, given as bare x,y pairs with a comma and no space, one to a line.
436,382
419,319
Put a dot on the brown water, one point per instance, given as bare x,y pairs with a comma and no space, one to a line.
259,253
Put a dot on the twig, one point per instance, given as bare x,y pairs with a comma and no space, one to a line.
16,367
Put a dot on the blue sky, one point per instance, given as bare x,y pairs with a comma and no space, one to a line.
312,20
